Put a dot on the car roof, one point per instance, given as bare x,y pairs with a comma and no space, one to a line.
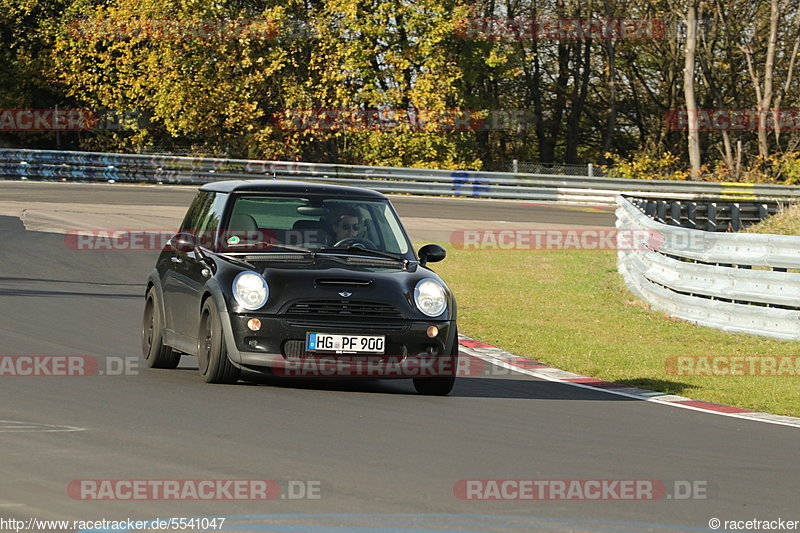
287,186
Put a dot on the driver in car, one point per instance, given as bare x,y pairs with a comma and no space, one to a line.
346,224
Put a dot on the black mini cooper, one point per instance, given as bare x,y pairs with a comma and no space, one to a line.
300,279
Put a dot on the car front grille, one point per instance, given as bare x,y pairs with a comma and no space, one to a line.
343,282
344,308
339,323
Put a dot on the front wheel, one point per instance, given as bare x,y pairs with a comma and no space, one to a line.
212,354
156,355
441,385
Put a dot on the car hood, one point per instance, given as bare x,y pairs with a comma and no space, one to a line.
329,281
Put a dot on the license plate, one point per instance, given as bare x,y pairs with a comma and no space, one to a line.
326,342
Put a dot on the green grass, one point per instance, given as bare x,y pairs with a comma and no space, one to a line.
570,309
785,222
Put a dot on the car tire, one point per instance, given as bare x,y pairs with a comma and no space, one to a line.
440,385
212,353
156,355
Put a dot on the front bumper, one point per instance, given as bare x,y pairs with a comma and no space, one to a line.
280,345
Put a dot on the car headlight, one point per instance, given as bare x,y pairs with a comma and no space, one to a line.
250,290
430,297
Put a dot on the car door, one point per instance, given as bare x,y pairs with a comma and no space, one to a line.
191,272
173,267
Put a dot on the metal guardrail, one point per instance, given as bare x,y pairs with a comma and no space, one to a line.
529,167
729,281
138,168
708,216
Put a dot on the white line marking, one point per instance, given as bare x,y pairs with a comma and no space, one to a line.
648,396
15,426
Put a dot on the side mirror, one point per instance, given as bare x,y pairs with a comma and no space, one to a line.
431,253
183,242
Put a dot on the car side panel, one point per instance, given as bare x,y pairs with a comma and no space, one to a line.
214,291
192,280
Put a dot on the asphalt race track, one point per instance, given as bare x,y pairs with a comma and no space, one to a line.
378,456
407,206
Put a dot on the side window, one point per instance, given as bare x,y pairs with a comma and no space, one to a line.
197,211
390,228
207,230
204,216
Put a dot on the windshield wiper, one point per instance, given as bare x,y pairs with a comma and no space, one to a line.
370,251
270,246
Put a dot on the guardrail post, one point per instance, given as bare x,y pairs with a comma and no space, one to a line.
661,211
590,168
675,213
736,223
711,215
691,215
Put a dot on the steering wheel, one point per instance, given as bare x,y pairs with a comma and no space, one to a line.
356,242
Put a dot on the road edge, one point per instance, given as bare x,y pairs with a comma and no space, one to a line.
523,365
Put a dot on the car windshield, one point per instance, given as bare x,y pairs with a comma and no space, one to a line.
280,223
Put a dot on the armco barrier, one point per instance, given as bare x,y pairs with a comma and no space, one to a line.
707,215
735,282
95,166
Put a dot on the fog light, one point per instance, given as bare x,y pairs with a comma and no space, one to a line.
432,331
254,324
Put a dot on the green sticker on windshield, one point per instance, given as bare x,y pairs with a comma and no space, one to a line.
234,240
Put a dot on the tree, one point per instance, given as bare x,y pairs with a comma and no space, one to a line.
690,50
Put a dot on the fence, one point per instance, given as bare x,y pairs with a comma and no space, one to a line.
730,281
94,166
527,167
